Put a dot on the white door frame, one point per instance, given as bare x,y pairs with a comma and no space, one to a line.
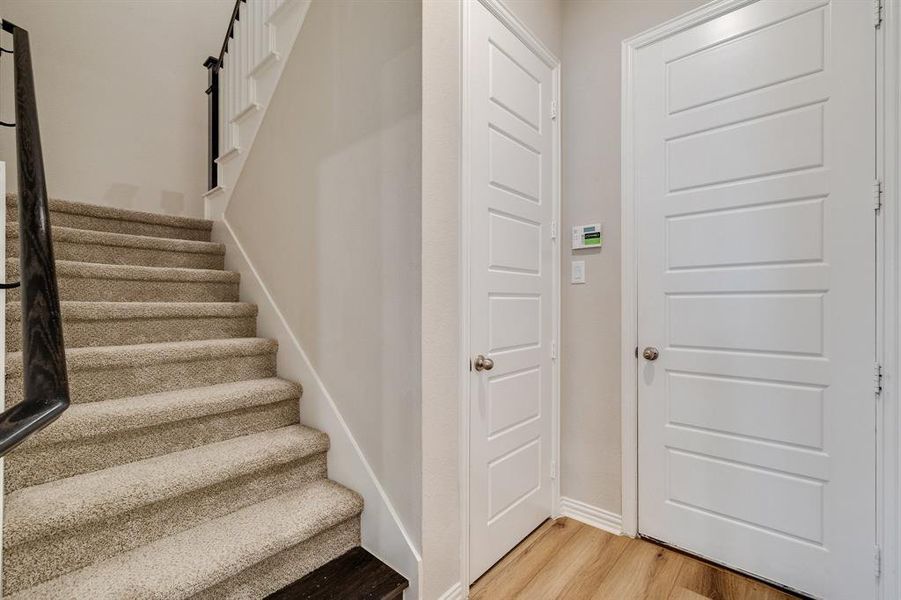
888,301
509,20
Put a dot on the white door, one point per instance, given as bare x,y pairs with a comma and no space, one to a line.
755,156
511,288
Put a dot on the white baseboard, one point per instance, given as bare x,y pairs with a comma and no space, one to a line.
591,515
383,533
454,593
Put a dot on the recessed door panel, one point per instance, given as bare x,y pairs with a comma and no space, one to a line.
785,233
513,400
761,58
767,411
767,145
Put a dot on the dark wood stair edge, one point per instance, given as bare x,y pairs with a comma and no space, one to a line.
355,575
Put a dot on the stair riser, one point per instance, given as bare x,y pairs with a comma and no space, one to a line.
92,385
123,290
76,221
121,255
45,558
287,566
117,332
32,465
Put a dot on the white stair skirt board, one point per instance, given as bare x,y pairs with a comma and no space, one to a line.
383,534
591,515
244,94
454,593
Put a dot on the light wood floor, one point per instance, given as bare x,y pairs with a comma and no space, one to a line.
564,559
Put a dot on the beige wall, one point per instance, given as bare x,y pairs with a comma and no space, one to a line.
120,97
328,210
440,297
544,18
590,359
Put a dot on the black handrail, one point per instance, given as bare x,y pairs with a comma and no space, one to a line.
45,382
214,64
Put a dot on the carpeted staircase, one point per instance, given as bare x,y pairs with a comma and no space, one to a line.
180,470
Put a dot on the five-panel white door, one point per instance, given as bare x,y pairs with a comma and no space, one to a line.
511,288
755,161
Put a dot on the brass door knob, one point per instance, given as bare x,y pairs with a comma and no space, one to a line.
650,353
483,364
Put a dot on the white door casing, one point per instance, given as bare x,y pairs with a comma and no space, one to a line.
754,150
511,194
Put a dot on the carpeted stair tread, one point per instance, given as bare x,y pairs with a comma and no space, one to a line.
91,246
107,372
120,218
126,323
193,560
67,268
83,281
109,357
99,435
123,240
39,510
105,311
122,414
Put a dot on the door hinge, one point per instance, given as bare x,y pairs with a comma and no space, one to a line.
877,379
877,13
877,559
553,109
877,195
553,230
553,469
553,350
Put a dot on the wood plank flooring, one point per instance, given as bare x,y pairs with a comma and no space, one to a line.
565,559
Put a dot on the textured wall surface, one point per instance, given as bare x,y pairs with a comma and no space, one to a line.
328,210
120,88
593,32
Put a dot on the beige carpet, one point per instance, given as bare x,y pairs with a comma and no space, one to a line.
180,470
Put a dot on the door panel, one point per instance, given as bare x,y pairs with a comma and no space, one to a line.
755,154
511,289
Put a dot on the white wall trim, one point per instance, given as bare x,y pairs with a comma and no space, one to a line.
464,262
591,515
694,17
383,533
499,9
519,29
629,265
889,309
629,316
455,592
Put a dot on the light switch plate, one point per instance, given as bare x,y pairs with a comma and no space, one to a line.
578,272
